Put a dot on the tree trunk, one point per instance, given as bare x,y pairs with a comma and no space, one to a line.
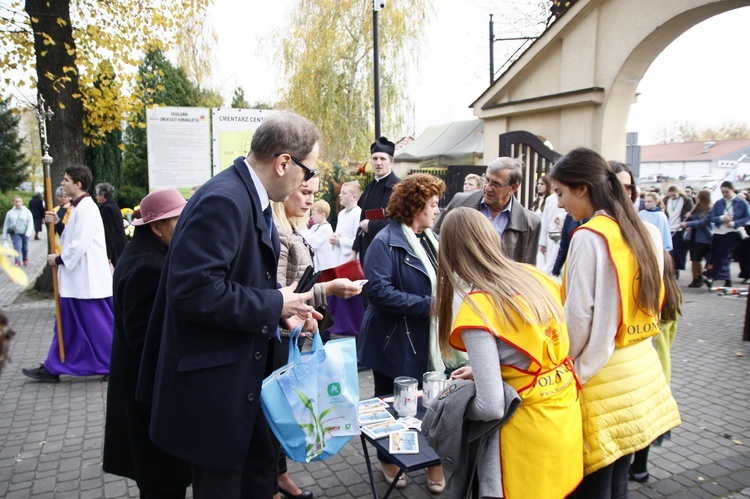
43,283
57,81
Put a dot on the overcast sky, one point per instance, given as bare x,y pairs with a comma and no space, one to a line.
702,77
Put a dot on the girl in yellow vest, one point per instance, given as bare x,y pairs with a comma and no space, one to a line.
510,321
613,291
663,343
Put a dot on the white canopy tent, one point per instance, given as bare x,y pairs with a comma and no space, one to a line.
458,142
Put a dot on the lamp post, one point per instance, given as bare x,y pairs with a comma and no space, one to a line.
492,52
42,115
376,6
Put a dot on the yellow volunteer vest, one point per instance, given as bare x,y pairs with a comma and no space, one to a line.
635,323
627,404
66,217
541,446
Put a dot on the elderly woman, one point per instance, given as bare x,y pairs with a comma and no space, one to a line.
295,256
128,450
19,225
63,211
398,336
114,230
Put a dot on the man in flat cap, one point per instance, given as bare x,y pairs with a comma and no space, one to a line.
375,197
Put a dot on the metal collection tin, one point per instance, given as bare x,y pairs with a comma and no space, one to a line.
405,396
433,382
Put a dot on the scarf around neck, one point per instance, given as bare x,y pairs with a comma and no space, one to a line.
437,360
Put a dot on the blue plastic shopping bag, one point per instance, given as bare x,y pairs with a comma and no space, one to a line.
311,403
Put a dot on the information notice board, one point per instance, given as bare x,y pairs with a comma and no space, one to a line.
179,147
188,145
233,131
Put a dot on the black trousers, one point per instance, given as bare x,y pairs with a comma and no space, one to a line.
257,480
610,482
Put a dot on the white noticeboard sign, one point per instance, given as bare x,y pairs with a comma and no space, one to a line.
179,146
233,131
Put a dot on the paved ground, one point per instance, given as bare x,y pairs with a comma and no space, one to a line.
51,435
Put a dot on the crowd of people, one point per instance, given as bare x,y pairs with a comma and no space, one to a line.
711,234
189,317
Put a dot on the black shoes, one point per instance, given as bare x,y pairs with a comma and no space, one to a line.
41,374
638,477
305,494
708,282
697,283
728,283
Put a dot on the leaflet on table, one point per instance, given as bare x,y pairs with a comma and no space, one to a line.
374,403
375,416
403,442
412,423
373,411
379,430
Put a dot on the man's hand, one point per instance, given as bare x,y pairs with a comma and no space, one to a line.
543,249
309,325
334,239
364,225
51,217
295,303
51,260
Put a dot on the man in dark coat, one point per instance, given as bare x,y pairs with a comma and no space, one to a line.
36,207
217,312
128,450
376,196
114,230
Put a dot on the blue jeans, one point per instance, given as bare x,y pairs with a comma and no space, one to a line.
21,245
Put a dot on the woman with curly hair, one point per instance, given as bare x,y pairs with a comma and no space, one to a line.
399,338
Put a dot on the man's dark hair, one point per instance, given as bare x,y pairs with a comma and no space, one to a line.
80,173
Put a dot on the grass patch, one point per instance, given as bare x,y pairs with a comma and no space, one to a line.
32,294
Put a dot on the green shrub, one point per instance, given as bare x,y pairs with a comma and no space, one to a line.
130,196
6,201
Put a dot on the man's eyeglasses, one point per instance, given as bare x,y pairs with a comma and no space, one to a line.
493,184
309,172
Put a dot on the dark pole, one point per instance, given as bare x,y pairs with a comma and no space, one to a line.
492,53
376,71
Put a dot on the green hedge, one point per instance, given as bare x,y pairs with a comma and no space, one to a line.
6,202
